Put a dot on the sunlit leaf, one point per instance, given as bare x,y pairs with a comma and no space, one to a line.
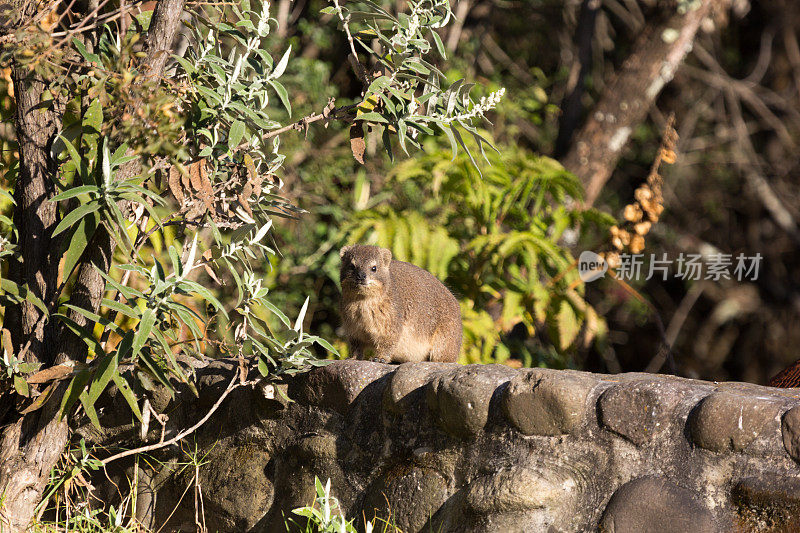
143,331
235,134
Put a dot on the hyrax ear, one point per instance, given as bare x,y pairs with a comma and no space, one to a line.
386,256
344,250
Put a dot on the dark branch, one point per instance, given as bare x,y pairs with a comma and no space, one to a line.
656,56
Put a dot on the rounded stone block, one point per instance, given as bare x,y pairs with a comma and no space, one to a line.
790,430
519,489
336,385
316,447
461,399
235,483
725,421
407,496
407,383
548,402
656,505
637,409
767,499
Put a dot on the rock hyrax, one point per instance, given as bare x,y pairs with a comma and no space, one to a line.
396,312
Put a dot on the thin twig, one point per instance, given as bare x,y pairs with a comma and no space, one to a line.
359,69
513,67
176,507
329,113
664,352
676,323
746,90
81,24
792,54
180,436
747,160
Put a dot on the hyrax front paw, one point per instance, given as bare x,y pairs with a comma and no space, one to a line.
382,359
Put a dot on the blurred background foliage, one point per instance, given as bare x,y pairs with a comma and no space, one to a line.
720,330
500,240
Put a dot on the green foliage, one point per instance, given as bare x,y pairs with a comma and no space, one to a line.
156,306
143,110
407,94
227,95
182,173
68,491
325,514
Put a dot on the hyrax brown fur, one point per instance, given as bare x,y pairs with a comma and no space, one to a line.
396,312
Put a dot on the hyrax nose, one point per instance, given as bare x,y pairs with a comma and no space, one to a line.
361,276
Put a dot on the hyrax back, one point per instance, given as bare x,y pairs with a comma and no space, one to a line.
396,312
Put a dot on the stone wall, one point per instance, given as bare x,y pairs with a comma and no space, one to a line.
443,447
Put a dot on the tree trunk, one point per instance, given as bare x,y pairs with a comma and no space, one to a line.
656,55
29,448
31,445
35,216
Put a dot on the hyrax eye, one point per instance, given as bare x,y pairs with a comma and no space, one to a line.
374,268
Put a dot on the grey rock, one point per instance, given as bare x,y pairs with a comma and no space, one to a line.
640,408
241,496
338,384
461,399
790,429
654,504
528,454
408,497
547,402
726,421
407,383
518,489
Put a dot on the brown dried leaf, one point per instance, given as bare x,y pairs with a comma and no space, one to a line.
174,183
197,210
247,190
40,400
211,274
633,213
613,259
203,170
252,174
52,373
8,347
357,144
185,179
642,228
194,175
257,185
202,184
245,205
637,244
